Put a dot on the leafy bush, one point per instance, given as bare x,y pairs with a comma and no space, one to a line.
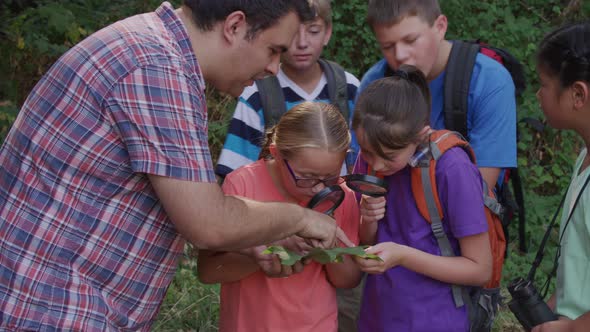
353,44
36,32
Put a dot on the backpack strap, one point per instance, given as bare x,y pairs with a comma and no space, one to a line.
272,100
337,86
425,192
456,85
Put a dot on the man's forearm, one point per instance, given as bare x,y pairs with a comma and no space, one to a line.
210,220
258,223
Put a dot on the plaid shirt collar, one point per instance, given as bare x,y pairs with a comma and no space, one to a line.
178,31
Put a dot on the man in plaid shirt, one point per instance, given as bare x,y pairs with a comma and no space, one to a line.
107,169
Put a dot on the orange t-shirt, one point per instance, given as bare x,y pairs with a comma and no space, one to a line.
303,302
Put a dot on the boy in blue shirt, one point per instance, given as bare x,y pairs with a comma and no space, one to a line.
413,32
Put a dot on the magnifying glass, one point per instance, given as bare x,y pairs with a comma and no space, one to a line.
327,200
369,185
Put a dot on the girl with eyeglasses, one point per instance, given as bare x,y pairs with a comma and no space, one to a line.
303,154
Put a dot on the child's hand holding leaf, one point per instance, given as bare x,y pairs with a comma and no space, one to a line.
322,256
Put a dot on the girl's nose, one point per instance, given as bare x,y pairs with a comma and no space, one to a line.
378,165
318,187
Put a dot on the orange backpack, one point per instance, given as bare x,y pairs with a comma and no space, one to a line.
425,194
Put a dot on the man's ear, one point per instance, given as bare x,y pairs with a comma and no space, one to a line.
441,24
580,94
234,27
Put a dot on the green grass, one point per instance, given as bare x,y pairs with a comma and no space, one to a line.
192,306
189,305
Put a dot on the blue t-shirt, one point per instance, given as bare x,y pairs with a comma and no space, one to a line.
401,299
491,110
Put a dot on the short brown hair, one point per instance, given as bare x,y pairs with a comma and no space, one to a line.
392,111
387,12
323,9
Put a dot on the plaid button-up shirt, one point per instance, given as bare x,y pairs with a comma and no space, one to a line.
85,244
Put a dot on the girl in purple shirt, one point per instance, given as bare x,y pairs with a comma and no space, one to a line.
410,290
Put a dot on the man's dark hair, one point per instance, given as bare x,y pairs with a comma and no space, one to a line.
260,14
386,12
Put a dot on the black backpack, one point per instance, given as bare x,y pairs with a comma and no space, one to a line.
456,92
273,99
458,78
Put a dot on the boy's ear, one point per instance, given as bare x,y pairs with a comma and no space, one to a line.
234,27
580,94
441,24
328,34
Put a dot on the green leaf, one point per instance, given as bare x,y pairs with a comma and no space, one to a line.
322,256
287,257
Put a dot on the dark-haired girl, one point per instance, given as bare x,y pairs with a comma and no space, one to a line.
410,290
563,64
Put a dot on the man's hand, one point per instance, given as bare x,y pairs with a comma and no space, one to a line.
294,243
321,230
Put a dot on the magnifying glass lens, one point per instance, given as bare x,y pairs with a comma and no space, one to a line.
367,188
367,184
327,200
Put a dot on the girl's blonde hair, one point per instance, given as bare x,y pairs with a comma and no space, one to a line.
308,125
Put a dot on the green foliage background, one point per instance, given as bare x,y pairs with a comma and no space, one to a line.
34,33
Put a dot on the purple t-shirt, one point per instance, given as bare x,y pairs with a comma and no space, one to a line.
400,299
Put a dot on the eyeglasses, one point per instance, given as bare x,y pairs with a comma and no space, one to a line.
308,183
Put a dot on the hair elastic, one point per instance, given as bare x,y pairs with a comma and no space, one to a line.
572,57
400,73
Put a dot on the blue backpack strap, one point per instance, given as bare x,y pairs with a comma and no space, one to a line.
337,86
272,100
456,86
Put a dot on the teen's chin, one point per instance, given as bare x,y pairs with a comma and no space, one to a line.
234,91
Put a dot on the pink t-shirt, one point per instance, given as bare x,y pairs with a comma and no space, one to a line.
300,303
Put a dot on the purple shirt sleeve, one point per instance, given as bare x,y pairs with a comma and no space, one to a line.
460,191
